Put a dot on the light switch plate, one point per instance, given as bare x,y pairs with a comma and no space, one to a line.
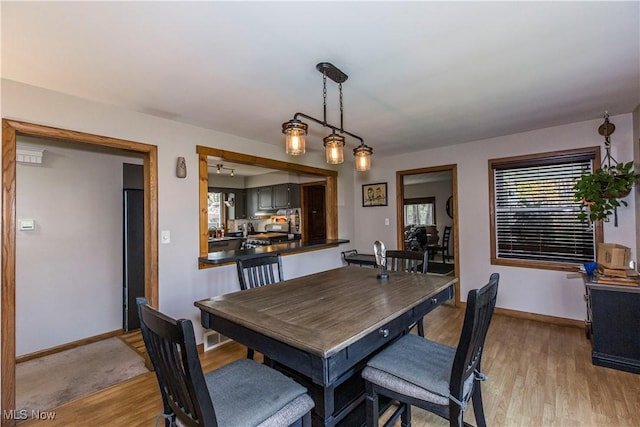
165,236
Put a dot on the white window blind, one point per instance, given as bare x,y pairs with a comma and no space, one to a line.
536,217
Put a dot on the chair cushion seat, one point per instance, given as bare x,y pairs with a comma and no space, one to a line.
247,393
416,367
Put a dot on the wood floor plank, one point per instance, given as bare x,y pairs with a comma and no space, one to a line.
539,375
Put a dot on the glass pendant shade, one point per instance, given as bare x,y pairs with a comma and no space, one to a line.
333,146
363,157
295,132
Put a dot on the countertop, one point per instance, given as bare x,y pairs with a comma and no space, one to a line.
225,238
225,257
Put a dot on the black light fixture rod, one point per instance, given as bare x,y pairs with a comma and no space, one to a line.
327,125
324,98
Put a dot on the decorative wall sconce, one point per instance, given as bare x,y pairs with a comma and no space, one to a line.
295,130
220,168
181,168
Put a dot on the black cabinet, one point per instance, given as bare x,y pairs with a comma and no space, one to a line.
281,196
252,202
613,322
241,205
294,195
265,198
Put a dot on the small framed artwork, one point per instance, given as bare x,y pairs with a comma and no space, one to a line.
374,194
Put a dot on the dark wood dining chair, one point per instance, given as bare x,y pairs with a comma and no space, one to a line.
242,393
410,261
259,271
346,254
443,247
415,371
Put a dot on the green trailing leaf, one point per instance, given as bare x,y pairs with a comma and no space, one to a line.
600,192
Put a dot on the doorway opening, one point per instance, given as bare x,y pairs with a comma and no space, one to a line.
10,130
427,216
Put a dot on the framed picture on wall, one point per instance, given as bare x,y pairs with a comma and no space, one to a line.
374,194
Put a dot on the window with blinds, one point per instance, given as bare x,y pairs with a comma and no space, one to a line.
535,216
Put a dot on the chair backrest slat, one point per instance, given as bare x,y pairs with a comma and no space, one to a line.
412,261
259,271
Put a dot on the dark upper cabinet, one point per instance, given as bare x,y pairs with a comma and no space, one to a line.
294,195
281,196
286,196
241,205
252,201
265,198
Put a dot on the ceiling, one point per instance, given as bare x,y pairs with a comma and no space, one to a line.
421,74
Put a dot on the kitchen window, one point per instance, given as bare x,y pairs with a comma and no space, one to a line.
215,209
534,217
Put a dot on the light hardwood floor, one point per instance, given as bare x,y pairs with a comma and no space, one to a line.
539,375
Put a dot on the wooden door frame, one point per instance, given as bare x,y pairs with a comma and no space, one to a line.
453,168
10,130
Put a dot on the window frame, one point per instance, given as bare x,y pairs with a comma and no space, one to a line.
538,159
420,201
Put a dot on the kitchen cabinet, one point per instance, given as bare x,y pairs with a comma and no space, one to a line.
294,196
241,205
279,196
252,202
286,196
265,198
239,209
613,319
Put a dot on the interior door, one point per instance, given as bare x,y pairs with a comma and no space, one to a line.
314,212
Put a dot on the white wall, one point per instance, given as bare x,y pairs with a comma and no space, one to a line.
69,269
441,191
529,290
180,281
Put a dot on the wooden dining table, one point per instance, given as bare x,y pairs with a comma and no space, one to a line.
322,328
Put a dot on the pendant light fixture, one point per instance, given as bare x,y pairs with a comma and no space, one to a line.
296,131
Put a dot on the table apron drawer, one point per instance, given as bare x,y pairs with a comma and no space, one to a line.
432,303
359,352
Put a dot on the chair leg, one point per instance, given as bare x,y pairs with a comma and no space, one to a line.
372,407
405,419
250,353
478,409
421,327
455,415
306,420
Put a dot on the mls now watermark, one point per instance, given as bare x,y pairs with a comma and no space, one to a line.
25,414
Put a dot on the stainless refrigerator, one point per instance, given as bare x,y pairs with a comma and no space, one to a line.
133,260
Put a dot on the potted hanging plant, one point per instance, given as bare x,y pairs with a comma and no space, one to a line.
600,192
